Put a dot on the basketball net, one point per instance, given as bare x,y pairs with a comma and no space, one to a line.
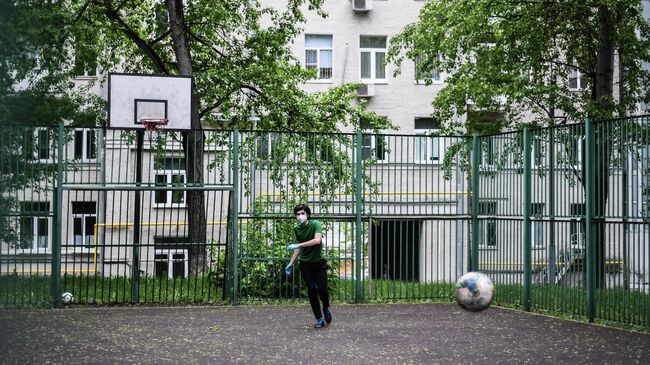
153,125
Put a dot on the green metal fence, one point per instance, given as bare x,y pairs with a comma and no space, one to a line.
137,217
109,218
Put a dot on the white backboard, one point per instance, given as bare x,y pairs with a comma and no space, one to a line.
132,97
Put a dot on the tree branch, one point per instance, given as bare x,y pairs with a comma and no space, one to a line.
158,63
203,42
162,36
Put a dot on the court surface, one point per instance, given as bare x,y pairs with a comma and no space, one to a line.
359,334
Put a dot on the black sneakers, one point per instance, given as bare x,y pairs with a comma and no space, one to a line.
328,315
319,323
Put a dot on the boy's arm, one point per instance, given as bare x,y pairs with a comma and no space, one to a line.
318,238
294,256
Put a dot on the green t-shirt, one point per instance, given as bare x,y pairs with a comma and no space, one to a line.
306,233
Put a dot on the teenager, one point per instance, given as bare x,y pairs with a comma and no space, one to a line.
313,266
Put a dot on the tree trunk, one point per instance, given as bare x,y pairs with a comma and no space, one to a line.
193,142
602,93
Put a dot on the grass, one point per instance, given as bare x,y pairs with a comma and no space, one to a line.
35,291
614,307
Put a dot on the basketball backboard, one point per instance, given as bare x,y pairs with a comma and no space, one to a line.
133,97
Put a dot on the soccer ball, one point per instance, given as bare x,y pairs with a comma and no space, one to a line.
474,291
67,298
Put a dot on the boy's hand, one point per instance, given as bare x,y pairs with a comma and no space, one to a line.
289,269
295,246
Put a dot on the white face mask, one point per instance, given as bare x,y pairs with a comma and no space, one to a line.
301,218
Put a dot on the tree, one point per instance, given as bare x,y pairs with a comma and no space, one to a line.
237,51
520,56
35,90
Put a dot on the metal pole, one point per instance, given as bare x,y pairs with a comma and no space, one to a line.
357,245
476,161
135,268
460,201
235,216
589,203
58,221
552,256
527,227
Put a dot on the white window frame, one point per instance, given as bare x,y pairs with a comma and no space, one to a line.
170,252
428,146
169,174
372,137
373,57
581,81
317,65
429,140
85,153
434,81
268,140
35,222
84,234
577,164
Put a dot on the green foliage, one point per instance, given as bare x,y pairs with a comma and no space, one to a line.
240,59
492,57
263,258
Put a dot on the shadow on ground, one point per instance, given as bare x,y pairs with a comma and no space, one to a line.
359,334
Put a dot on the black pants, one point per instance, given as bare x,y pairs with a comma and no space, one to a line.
315,275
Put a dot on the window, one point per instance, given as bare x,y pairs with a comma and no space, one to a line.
373,146
266,143
171,263
487,227
426,147
578,225
318,55
537,231
170,171
576,80
35,225
40,145
84,218
432,76
85,144
373,55
575,149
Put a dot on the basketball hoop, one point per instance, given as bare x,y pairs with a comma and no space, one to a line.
152,124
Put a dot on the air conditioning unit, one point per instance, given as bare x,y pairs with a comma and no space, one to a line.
361,5
366,90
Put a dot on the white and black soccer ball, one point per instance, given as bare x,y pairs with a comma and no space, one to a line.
67,298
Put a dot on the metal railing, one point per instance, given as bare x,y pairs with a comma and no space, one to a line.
557,217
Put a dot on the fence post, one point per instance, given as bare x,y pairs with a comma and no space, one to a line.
589,212
527,227
358,206
476,161
235,216
137,207
58,221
